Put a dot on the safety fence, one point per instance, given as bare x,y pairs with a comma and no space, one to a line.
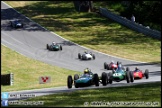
130,24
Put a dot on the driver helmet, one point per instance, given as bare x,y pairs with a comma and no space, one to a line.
53,43
86,71
119,66
136,68
85,51
112,61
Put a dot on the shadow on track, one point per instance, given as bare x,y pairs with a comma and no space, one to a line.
158,63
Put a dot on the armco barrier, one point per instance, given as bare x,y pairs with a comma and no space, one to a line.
132,25
7,79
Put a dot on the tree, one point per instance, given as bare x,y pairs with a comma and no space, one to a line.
83,6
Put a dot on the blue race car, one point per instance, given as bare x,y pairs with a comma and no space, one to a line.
83,80
16,23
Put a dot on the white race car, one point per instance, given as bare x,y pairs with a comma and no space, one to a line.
86,56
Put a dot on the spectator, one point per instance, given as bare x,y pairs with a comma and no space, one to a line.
133,18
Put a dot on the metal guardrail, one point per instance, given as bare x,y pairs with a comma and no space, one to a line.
132,25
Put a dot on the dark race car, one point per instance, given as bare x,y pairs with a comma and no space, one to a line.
111,65
83,80
138,74
54,47
117,75
16,24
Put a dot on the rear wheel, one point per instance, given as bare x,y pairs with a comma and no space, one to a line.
117,63
104,79
96,79
127,69
47,46
22,25
105,65
146,73
69,81
60,47
79,55
127,77
131,76
93,56
10,23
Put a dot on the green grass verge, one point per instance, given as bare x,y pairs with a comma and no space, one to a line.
27,72
149,93
90,30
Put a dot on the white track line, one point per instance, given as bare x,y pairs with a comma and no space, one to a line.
73,42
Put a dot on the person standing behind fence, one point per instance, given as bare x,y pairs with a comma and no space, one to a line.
133,18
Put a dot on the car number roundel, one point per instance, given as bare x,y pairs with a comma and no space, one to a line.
116,74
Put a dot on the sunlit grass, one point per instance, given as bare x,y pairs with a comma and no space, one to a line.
148,94
27,71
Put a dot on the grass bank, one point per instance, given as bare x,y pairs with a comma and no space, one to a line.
91,30
27,71
146,95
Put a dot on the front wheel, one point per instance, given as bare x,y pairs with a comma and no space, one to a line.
60,47
104,79
146,73
96,79
69,81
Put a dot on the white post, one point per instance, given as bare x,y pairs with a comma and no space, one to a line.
11,79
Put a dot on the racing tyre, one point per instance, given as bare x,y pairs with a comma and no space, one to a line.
76,76
127,69
146,73
10,23
127,76
131,76
22,25
104,79
60,47
117,63
107,78
108,67
69,81
79,55
110,77
47,46
93,56
105,65
96,79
